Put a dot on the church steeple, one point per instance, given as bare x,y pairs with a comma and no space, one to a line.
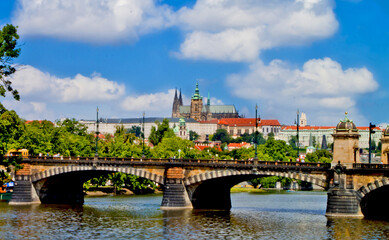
180,99
209,100
196,95
176,105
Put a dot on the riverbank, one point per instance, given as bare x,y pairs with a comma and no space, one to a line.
104,191
249,190
109,190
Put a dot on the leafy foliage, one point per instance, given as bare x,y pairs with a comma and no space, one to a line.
136,130
323,156
8,52
162,130
193,135
221,135
278,150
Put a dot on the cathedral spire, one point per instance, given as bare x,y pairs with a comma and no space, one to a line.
175,95
180,99
196,95
209,100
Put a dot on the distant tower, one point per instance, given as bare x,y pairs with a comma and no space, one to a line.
346,143
177,102
303,120
196,104
180,98
324,143
208,108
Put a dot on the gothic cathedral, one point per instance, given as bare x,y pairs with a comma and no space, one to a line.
200,112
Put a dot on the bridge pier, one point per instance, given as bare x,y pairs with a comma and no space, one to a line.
342,199
24,191
175,195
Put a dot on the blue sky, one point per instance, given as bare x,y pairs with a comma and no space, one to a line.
320,56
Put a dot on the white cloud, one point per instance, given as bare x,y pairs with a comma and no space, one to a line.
97,21
215,101
155,104
226,30
238,30
322,88
37,86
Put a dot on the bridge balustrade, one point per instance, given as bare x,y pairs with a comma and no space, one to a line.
370,166
122,160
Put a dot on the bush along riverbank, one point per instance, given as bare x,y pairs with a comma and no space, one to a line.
119,183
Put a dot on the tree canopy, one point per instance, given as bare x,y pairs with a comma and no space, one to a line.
162,130
8,52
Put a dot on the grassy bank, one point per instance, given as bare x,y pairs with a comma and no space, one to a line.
253,190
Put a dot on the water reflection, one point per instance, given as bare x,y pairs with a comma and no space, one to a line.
270,216
353,228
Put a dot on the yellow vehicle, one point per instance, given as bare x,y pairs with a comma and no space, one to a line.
17,152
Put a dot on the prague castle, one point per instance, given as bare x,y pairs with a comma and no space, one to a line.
200,112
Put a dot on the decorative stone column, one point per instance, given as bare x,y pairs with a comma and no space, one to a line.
385,147
175,195
346,143
342,199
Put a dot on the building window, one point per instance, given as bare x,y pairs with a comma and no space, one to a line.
239,132
231,132
247,131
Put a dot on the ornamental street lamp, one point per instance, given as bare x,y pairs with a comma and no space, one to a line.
371,131
97,131
143,136
256,135
298,139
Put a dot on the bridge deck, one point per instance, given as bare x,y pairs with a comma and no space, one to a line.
213,163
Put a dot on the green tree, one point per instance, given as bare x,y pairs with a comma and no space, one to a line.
270,135
293,141
193,135
169,147
221,135
71,126
8,52
254,182
162,130
322,155
139,185
136,130
278,150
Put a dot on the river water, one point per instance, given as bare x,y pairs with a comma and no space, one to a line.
277,215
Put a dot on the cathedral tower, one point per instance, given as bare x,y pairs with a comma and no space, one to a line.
196,104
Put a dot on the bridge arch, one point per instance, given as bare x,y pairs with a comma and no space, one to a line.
69,169
228,173
373,198
211,189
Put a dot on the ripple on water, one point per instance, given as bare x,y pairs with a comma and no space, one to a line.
253,216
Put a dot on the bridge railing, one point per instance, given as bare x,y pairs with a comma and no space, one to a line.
370,166
188,161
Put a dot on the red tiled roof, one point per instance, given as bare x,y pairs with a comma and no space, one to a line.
323,128
307,128
248,122
101,136
202,147
209,121
269,122
237,121
237,145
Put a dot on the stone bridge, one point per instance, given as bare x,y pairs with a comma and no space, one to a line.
186,182
204,184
